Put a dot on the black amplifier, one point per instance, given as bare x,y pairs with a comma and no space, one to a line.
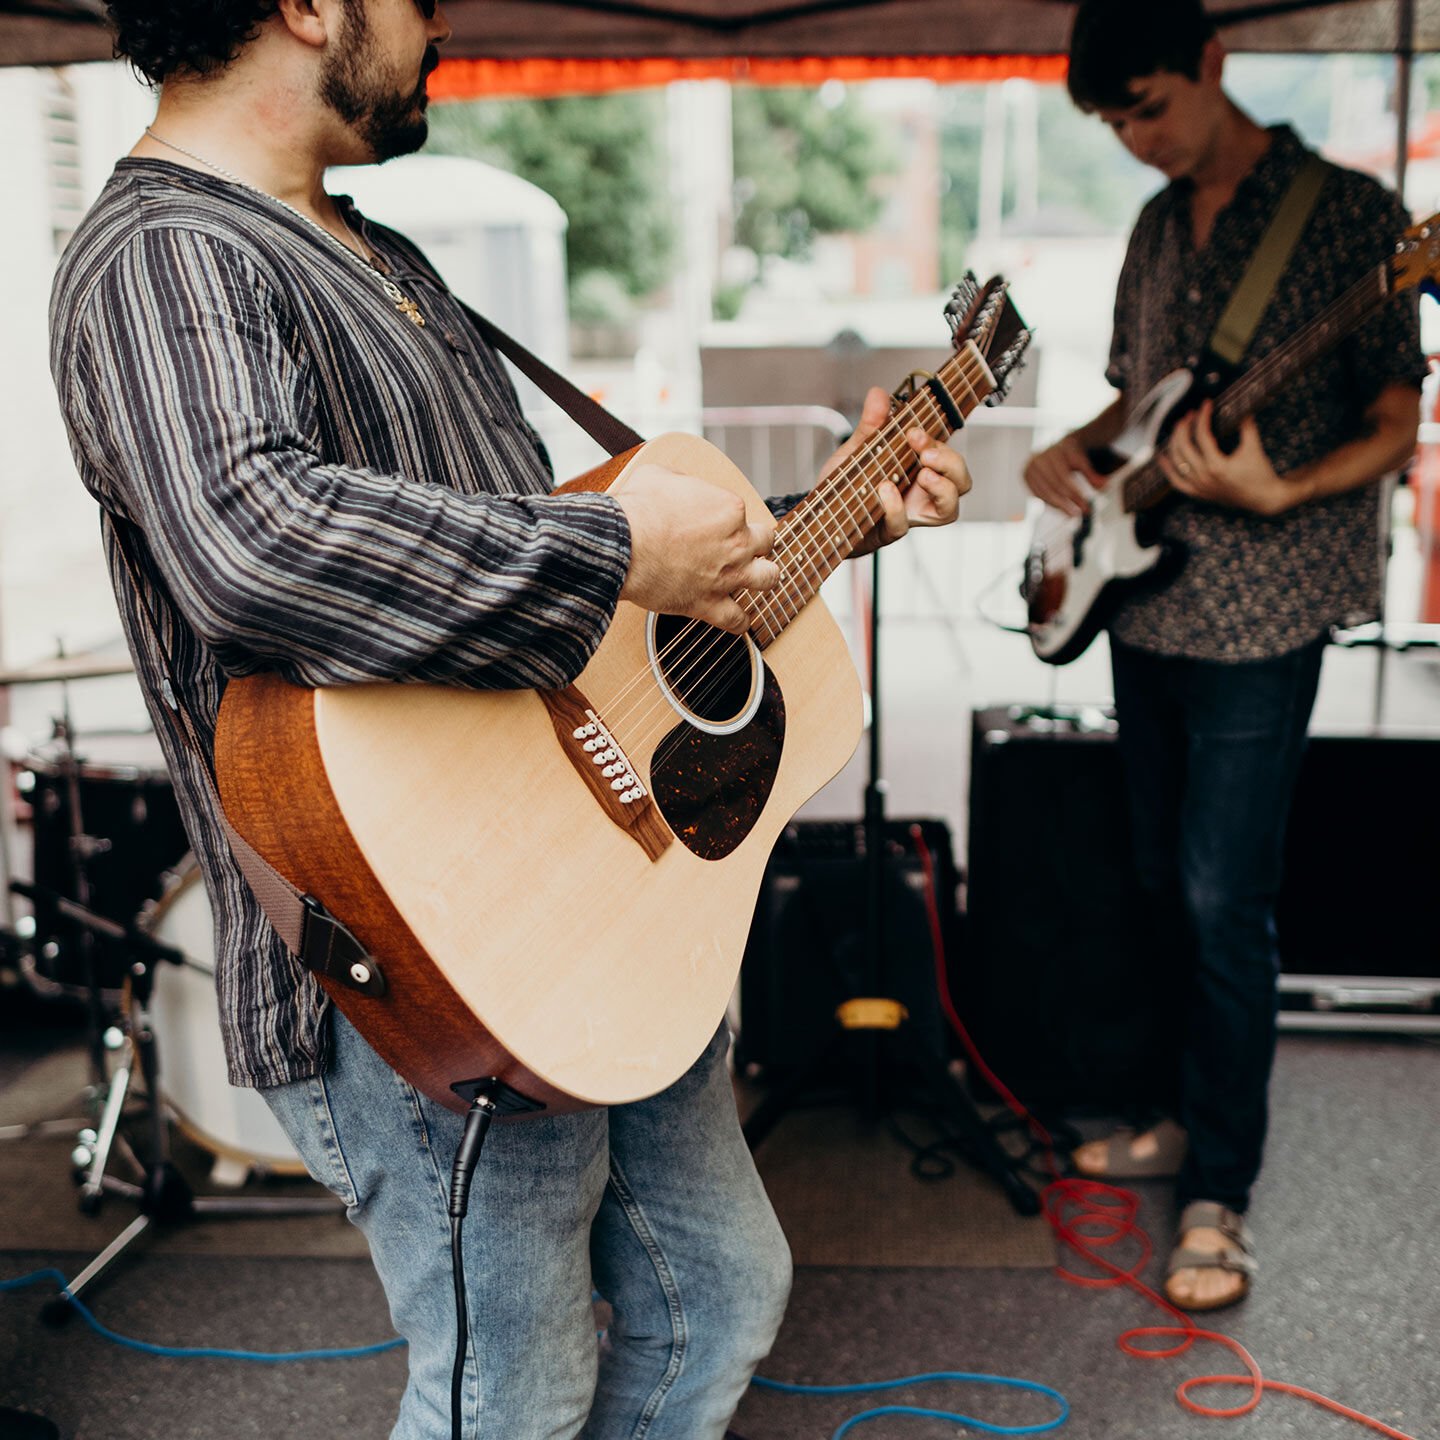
1063,983
808,947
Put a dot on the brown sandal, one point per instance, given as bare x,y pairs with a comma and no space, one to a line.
1171,1143
1237,1256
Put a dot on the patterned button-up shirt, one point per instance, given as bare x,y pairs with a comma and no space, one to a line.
1254,587
317,487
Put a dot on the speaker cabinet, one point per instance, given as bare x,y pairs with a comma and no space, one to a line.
1062,978
1362,856
807,951
1055,981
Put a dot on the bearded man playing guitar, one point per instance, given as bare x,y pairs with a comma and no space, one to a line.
1216,668
311,463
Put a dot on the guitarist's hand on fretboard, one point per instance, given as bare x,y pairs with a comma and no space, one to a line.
1244,479
932,497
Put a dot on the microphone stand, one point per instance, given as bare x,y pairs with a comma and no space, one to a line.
873,1044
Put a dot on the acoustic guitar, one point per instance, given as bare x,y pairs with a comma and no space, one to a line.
558,885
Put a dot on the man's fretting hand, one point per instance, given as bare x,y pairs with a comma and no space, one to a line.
933,497
692,546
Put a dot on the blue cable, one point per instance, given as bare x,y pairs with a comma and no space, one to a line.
950,1375
178,1352
263,1357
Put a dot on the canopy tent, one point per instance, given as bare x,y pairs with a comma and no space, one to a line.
717,36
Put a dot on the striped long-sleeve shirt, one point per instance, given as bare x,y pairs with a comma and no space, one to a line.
317,487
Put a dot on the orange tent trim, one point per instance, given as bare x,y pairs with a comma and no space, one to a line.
500,79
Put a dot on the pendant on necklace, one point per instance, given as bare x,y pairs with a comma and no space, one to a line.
410,310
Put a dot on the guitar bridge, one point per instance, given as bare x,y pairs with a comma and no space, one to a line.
602,764
603,749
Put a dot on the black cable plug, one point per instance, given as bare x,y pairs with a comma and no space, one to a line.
467,1155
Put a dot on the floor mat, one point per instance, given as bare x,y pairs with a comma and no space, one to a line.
846,1196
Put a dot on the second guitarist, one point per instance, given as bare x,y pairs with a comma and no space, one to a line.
1216,670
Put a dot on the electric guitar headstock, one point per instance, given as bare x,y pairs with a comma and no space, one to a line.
1416,260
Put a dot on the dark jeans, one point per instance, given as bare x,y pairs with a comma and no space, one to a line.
1211,750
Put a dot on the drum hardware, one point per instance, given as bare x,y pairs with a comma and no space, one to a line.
162,1194
107,833
85,666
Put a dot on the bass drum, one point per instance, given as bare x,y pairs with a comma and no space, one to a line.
234,1125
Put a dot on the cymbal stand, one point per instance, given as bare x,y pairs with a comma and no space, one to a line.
163,1195
82,848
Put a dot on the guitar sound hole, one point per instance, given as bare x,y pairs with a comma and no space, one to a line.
710,676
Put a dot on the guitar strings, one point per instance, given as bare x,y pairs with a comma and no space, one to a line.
763,607
699,644
868,464
720,647
716,647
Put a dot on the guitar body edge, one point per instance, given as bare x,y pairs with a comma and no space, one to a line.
419,1027
1102,609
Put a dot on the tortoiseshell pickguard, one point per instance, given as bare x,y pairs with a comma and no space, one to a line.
711,789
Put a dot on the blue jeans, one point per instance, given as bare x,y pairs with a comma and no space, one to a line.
1211,751
655,1205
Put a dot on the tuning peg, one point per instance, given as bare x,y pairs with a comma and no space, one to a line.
962,299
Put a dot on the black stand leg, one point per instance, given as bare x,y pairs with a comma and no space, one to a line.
873,1044
163,1195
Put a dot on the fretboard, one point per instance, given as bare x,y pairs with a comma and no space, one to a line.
1268,376
827,525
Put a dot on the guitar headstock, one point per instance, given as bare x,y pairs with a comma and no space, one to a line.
986,315
1416,260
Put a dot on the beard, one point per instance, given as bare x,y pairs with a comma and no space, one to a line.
389,122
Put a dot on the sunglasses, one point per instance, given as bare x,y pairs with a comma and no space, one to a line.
427,8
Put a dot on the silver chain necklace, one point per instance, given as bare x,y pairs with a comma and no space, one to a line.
402,302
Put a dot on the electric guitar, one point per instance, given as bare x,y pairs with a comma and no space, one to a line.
1079,570
557,885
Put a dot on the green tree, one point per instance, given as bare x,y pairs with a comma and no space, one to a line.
805,163
601,158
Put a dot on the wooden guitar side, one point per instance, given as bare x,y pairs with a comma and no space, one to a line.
275,791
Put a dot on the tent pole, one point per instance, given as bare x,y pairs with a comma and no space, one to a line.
1404,73
1405,66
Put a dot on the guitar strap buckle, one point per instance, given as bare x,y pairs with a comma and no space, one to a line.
331,951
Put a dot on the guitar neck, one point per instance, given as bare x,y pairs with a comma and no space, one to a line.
1268,376
827,525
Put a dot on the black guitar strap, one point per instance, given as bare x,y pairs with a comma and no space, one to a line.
1236,327
593,418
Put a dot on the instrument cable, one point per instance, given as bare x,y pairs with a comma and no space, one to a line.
482,1111
191,1352
1107,1216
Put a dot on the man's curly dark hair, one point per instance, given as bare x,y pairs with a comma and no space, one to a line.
161,38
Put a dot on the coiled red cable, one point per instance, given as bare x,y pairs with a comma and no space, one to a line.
1090,1217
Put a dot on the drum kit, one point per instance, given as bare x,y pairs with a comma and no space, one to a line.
119,921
